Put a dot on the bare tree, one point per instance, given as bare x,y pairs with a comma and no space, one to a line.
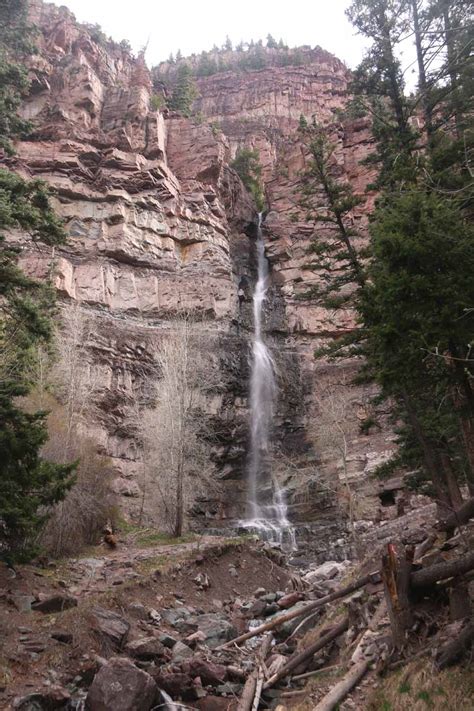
74,378
175,431
66,384
332,429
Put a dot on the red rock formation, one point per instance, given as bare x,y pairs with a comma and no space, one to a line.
156,221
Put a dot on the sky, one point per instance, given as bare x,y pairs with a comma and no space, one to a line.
196,25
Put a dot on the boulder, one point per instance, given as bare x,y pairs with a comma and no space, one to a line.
175,683
216,628
146,648
181,651
257,609
54,698
121,686
54,603
210,673
111,627
289,600
327,571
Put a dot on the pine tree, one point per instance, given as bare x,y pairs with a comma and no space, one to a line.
28,484
15,44
415,309
271,42
328,203
184,91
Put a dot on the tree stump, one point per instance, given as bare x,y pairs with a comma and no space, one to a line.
396,571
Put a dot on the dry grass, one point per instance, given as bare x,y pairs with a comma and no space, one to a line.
417,687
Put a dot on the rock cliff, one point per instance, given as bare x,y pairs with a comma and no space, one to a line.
159,224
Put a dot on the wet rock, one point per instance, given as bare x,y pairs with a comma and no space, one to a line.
121,686
55,603
111,627
146,648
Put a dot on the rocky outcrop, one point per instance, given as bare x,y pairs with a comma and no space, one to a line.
159,224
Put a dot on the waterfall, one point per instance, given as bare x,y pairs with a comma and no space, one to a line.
267,510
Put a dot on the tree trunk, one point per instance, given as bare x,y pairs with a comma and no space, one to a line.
430,457
422,84
178,530
455,648
396,572
458,517
459,600
453,486
441,571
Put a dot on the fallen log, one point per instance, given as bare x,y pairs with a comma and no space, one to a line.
424,546
248,693
253,686
315,672
292,614
441,571
457,518
455,648
326,637
342,688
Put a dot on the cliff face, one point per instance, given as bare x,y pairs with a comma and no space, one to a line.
160,224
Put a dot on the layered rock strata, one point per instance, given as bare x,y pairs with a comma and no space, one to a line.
159,225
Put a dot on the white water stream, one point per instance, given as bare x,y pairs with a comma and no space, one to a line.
267,515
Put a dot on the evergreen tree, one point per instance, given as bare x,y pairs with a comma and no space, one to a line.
228,44
28,484
271,42
415,309
184,91
15,44
328,203
246,164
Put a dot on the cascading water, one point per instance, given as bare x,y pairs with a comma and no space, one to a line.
267,510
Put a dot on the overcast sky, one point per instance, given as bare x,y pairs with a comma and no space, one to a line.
196,25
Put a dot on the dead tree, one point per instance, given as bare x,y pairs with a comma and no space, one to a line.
396,577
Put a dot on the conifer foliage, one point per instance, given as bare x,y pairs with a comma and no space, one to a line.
28,484
416,307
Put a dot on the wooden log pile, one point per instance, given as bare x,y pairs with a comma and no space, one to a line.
406,582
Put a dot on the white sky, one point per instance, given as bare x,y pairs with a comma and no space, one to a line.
195,25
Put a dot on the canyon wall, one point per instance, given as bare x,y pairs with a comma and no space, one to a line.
159,224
